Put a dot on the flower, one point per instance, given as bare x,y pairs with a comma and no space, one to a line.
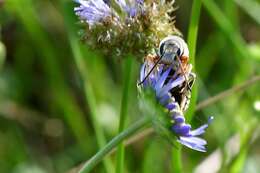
93,11
132,8
97,11
118,28
163,80
186,136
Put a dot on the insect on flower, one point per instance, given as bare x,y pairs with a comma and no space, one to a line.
174,53
168,74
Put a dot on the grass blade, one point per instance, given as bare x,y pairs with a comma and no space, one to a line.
123,113
192,42
251,7
89,94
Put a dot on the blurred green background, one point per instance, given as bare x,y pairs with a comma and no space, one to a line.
45,122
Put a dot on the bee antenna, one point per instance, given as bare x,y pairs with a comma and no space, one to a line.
156,63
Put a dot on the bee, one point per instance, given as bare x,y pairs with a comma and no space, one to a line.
173,51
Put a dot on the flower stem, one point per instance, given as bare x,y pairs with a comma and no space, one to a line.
192,42
90,164
176,159
123,113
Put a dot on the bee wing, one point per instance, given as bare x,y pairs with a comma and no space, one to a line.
191,79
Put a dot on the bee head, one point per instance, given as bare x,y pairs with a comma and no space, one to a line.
173,46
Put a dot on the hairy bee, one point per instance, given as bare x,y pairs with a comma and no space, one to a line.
173,52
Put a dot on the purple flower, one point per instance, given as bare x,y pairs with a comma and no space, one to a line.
93,11
132,8
163,80
187,136
96,11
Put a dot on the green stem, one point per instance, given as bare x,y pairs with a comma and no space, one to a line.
88,91
176,159
192,42
90,164
193,29
123,113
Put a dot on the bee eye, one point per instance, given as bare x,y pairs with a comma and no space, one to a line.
161,48
179,52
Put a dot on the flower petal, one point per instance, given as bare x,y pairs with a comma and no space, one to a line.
192,143
164,100
142,72
199,131
161,80
171,105
171,85
181,129
179,119
195,140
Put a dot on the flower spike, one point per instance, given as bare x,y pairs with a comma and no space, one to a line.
163,84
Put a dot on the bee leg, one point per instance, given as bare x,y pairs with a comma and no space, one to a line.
186,92
185,101
191,80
